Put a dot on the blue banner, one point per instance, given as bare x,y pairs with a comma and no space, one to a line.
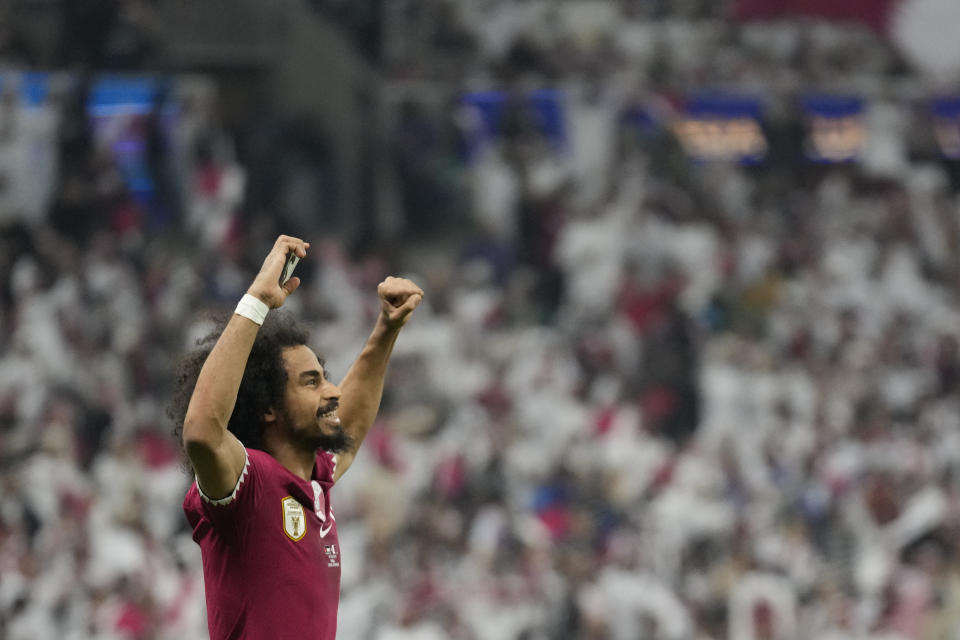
500,113
722,126
33,87
946,125
836,131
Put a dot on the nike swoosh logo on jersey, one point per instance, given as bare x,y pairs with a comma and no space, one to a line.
325,531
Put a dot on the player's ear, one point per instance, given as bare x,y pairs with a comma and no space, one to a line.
270,416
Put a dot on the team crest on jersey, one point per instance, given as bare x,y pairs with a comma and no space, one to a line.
294,519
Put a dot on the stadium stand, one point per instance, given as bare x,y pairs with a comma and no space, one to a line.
686,369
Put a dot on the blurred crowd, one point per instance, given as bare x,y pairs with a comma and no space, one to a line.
93,34
644,398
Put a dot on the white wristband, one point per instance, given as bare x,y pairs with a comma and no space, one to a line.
252,308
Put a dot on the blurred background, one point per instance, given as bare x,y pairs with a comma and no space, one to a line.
687,366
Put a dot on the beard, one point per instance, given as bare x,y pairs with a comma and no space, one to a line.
336,442
308,437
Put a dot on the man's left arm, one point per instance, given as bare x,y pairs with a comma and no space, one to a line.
362,388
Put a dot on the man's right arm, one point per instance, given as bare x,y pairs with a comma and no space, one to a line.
217,456
215,453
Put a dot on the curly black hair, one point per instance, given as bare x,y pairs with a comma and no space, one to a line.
264,378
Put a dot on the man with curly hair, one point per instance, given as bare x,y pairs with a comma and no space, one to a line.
268,435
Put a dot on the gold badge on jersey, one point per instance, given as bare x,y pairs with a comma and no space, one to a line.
294,519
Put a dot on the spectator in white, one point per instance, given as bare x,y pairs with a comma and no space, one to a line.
28,155
763,606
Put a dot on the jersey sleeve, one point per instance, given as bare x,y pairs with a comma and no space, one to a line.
231,511
230,499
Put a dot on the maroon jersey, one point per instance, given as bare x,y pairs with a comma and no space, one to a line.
271,560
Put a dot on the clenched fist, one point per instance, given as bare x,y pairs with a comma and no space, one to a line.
398,298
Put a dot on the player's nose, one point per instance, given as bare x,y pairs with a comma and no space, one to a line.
330,391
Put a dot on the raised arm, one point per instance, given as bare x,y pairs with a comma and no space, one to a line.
216,454
362,387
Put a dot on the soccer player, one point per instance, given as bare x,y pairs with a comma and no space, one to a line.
268,435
